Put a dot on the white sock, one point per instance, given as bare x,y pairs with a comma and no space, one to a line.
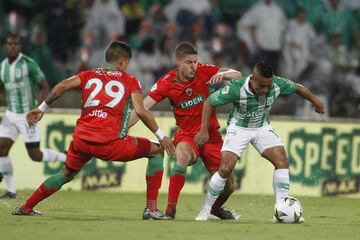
216,186
52,156
6,168
281,183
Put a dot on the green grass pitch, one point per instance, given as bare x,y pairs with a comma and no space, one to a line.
100,215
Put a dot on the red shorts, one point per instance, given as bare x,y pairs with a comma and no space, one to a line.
210,152
122,150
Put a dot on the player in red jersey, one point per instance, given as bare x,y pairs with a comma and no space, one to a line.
187,87
101,130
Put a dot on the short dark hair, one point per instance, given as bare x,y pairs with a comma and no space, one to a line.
116,50
185,48
264,69
12,36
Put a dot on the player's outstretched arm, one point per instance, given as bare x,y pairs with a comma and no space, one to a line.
308,95
37,113
203,135
148,119
43,90
224,74
148,104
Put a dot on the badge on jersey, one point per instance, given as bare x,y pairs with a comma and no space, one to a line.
225,90
189,91
18,73
153,88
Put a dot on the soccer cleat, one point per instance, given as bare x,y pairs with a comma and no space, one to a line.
8,195
1,177
156,214
169,215
203,215
21,212
225,214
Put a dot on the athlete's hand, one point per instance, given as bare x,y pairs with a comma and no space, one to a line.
217,78
168,146
201,138
319,107
34,116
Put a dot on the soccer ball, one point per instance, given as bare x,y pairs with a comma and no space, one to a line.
288,210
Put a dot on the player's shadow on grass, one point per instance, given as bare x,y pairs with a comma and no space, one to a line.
90,218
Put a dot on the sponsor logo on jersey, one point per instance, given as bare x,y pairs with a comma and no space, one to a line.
114,73
189,91
192,102
100,71
254,114
98,113
13,85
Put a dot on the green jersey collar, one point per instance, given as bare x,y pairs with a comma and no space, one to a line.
111,67
247,86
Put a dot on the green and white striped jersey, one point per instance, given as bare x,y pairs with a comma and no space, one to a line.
250,110
19,79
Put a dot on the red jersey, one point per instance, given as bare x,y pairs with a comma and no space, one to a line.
187,98
106,104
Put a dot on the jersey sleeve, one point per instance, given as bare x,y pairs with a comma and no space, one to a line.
158,91
225,95
83,78
286,86
135,85
35,72
208,70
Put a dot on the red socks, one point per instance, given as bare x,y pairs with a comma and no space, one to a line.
38,195
153,184
177,181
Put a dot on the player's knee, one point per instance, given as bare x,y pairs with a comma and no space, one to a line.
35,157
68,176
184,158
159,150
156,149
225,170
282,162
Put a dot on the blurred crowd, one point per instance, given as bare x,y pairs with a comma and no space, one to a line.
313,42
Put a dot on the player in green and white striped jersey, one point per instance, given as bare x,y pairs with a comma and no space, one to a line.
252,98
19,76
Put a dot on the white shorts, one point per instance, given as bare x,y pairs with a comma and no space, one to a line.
14,123
237,138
